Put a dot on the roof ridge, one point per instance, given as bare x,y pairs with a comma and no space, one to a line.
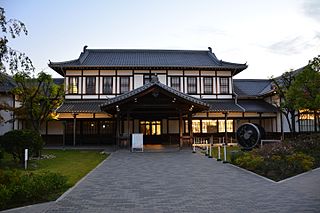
145,50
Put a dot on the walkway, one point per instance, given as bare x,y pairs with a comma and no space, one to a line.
185,182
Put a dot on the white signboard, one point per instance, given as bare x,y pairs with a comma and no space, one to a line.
137,142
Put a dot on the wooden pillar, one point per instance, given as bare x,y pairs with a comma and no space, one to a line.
118,130
260,118
180,129
74,127
190,127
128,130
225,127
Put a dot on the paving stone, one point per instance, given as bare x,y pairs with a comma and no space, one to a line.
185,182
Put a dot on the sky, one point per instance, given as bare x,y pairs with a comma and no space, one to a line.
272,36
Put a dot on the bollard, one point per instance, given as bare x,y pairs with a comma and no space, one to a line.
194,147
210,151
219,154
225,153
25,159
207,148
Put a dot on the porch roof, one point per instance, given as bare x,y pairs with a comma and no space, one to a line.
257,106
80,106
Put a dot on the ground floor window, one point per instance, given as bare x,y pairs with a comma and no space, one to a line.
150,127
196,127
209,126
222,125
308,120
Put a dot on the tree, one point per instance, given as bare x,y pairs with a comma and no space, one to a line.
11,59
286,106
39,97
305,90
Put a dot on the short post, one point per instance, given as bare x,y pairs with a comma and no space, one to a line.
194,146
207,148
25,159
219,153
210,150
225,153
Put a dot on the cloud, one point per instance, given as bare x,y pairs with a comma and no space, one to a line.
312,9
295,45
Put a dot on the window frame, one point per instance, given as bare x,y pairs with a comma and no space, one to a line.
103,85
224,86
189,91
179,82
93,87
120,84
205,86
70,87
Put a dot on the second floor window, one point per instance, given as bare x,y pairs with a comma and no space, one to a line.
224,85
73,85
124,84
146,78
175,83
107,85
192,85
208,85
90,85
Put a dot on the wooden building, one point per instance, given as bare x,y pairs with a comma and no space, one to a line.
170,96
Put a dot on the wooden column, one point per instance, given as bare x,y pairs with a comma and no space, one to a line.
117,130
190,127
225,127
180,129
128,129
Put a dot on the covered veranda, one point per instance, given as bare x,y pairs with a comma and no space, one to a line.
147,110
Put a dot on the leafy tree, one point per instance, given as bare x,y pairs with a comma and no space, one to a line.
305,90
39,97
11,59
286,106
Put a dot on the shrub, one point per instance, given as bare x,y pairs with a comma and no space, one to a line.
16,141
234,155
276,161
250,161
18,188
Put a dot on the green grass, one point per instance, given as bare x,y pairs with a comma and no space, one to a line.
74,164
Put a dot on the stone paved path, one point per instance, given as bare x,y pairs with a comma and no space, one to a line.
185,182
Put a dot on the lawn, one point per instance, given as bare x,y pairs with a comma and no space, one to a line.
74,164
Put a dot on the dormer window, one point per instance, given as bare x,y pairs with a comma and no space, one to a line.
91,85
73,86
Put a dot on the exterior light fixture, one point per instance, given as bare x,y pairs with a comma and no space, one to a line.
135,100
118,109
104,126
174,100
92,124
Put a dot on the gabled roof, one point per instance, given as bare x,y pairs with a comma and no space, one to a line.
147,59
6,83
154,83
252,87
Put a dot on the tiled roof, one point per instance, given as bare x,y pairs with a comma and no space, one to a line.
140,58
153,83
224,106
257,106
6,83
80,106
251,87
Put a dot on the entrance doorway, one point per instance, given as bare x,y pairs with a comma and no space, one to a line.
151,130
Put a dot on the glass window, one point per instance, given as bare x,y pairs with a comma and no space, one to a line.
146,78
150,127
196,128
124,84
208,85
90,85
229,125
224,85
175,83
73,85
192,85
209,126
307,121
107,85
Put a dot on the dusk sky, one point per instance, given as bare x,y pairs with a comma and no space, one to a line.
271,36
